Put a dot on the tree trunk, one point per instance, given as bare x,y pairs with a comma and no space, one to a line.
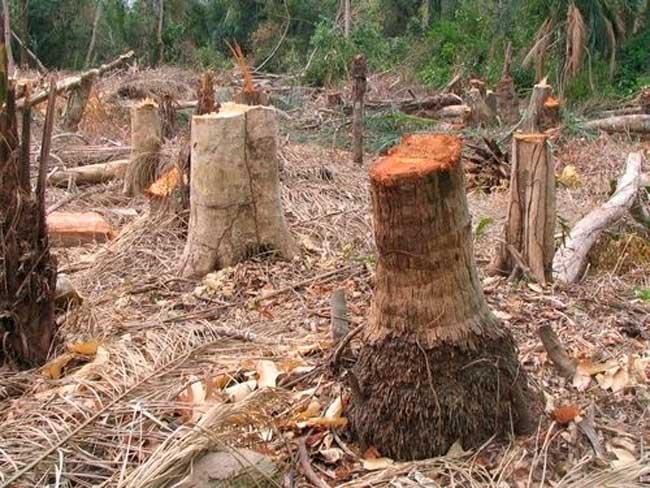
436,366
91,174
146,141
623,123
528,242
160,46
235,207
570,261
359,85
6,24
507,100
93,38
347,18
27,270
24,33
76,104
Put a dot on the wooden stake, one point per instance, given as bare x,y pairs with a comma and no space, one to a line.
359,85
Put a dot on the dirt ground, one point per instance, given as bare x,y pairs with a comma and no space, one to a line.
151,361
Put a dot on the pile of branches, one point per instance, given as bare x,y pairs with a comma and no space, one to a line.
487,166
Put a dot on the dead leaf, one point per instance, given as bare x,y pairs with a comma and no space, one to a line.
335,410
240,391
372,453
566,413
85,348
54,369
569,177
332,455
456,451
377,464
267,374
312,410
623,458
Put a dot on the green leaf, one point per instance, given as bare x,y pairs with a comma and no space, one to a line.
482,226
642,293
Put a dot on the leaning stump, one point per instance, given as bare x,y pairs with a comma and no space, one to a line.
235,207
436,366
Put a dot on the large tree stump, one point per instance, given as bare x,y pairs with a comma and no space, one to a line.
528,242
436,366
543,110
235,208
76,104
27,270
146,141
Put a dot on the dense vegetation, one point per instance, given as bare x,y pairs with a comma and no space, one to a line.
586,46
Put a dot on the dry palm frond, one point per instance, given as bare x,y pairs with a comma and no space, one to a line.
611,35
537,54
244,66
576,42
626,476
174,458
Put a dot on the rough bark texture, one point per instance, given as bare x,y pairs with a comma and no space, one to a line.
528,241
27,270
146,140
76,104
235,207
436,366
623,123
507,100
359,86
570,260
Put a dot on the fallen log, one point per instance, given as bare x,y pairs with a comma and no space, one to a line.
83,155
605,114
91,174
68,229
435,102
76,81
622,123
570,259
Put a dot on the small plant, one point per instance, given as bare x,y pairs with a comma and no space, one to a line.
643,294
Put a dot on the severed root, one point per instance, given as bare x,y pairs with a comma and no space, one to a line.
556,353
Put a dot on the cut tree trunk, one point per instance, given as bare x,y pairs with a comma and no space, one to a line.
27,269
235,207
75,81
76,104
359,86
92,174
436,366
507,100
528,242
146,141
482,115
623,123
70,229
571,258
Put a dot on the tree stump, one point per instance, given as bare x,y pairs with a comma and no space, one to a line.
533,119
482,114
146,141
235,208
436,366
76,104
528,242
359,86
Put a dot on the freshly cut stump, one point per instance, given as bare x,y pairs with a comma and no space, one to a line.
146,141
529,241
436,365
235,207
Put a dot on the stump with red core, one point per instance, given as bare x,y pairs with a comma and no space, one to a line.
436,366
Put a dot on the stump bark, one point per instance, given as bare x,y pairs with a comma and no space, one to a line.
507,100
146,141
436,366
528,239
235,207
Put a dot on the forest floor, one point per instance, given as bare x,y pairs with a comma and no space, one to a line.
144,381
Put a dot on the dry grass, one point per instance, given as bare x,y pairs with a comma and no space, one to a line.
116,419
